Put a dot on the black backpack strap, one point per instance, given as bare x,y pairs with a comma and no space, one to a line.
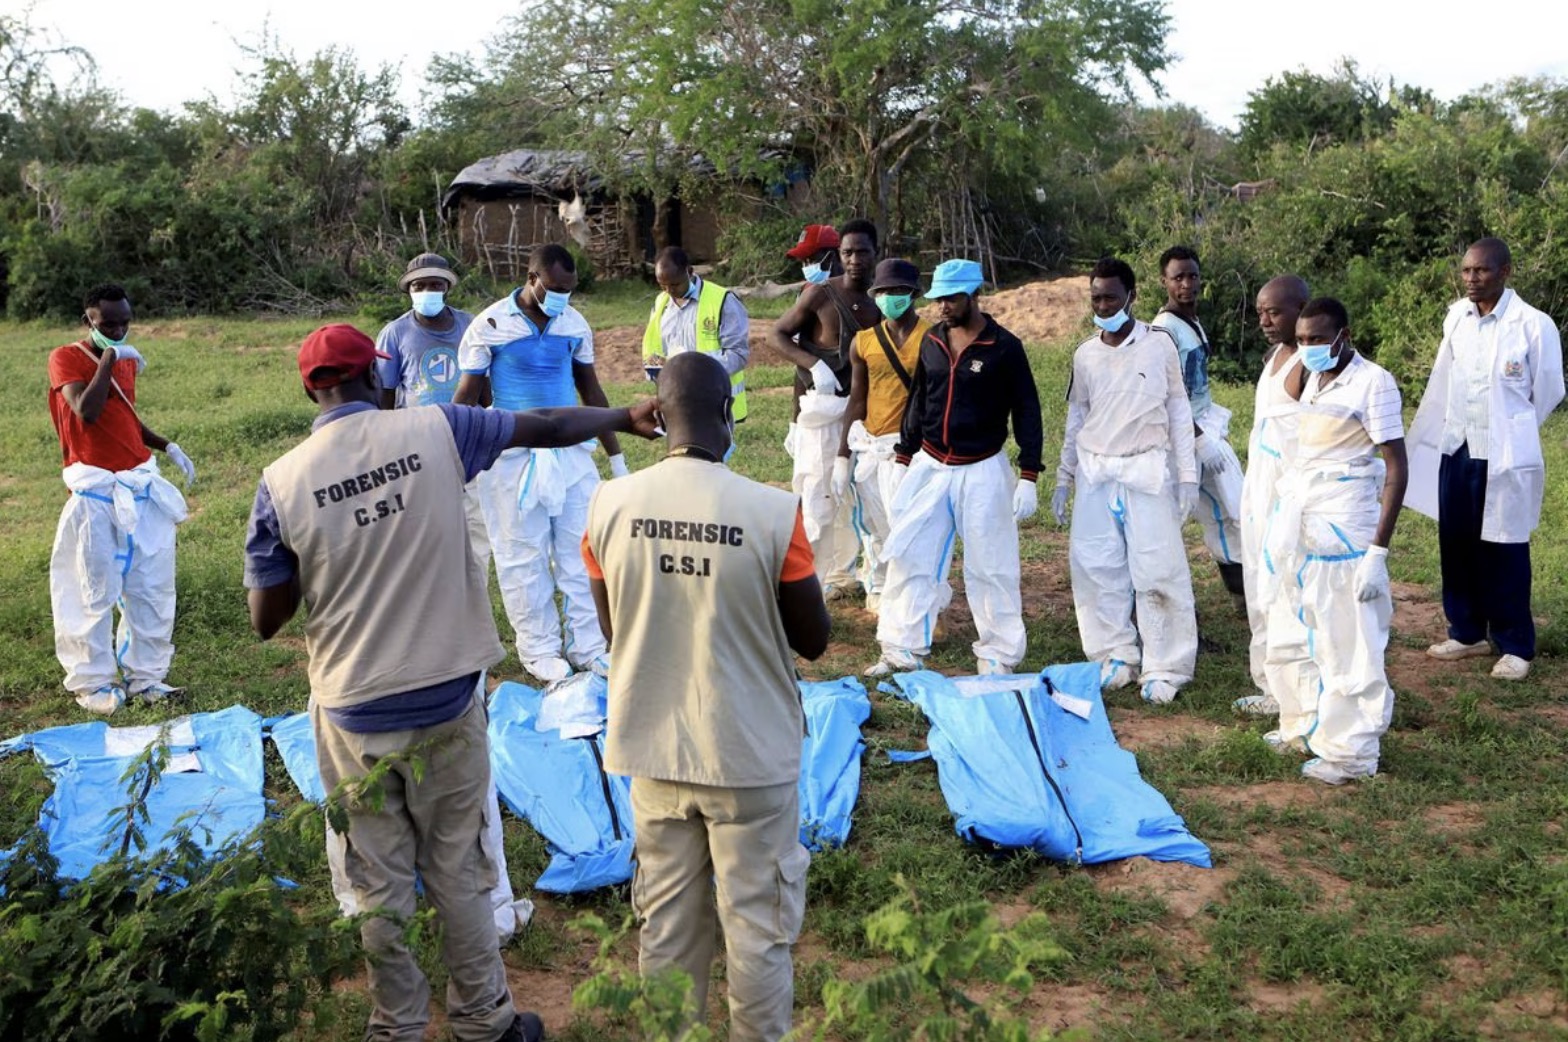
892,356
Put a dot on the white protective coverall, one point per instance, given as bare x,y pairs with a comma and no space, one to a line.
1218,512
1271,444
536,508
1324,518
813,445
114,547
1129,440
873,482
937,503
1526,361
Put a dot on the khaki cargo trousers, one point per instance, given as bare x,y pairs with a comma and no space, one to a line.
432,826
747,841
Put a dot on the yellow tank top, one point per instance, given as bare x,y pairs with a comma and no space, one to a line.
886,394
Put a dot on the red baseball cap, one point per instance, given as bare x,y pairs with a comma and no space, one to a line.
336,354
815,239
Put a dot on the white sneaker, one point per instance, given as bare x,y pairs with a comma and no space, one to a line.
1330,773
155,692
1511,667
1457,649
1256,705
1279,745
990,667
1116,674
1160,692
104,700
548,669
893,661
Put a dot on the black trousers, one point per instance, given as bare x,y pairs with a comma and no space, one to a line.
1486,586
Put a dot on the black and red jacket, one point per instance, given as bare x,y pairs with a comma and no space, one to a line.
959,407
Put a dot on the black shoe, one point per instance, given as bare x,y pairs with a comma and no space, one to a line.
526,1027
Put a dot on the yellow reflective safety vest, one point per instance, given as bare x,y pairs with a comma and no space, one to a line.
710,302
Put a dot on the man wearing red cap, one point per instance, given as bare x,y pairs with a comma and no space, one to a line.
355,522
829,312
114,546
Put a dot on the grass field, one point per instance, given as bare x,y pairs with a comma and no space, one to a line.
1428,904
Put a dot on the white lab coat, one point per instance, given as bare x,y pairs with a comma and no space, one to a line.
1526,362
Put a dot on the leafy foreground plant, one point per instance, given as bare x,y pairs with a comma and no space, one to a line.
175,945
941,988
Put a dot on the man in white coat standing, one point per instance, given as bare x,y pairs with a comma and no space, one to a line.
1476,463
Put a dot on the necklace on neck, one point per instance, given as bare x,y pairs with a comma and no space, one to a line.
693,451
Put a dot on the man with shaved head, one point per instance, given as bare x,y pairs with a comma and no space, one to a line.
704,583
1269,448
1476,463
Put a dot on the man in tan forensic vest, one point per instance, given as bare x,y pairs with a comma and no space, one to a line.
704,317
354,522
704,583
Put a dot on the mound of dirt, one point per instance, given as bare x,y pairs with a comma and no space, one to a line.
1036,312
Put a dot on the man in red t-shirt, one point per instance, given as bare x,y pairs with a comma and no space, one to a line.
115,541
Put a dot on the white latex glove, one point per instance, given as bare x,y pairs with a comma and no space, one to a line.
1211,454
1026,500
1187,498
179,459
822,378
1372,574
792,439
842,465
126,351
618,467
1059,504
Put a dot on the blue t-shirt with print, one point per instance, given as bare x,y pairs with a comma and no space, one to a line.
529,368
422,366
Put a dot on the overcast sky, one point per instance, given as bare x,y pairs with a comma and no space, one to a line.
160,53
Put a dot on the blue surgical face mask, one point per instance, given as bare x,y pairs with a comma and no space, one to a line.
814,273
103,342
554,303
729,423
1319,358
1115,322
429,302
893,305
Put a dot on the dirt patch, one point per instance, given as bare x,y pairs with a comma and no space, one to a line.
1136,731
1525,1015
1455,819
617,352
1418,620
1276,795
1186,890
1036,312
1269,997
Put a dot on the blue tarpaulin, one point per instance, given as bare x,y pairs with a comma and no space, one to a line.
212,783
830,759
1019,768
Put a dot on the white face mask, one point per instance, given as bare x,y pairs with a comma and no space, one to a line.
428,303
1115,322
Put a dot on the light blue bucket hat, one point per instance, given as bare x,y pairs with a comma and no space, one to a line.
953,277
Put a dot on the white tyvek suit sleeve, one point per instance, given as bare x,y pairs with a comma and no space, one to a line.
1067,469
1077,412
1179,412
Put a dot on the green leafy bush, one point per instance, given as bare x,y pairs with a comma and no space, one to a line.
176,944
